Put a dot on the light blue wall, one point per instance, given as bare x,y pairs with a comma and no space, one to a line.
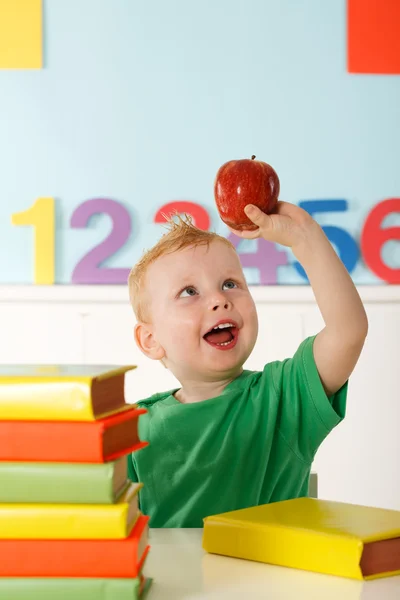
142,101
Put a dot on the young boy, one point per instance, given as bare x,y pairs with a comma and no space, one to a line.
230,438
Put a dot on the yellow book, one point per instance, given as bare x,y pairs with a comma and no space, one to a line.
336,538
61,392
71,521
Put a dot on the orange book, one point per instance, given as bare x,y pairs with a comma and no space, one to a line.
71,441
77,558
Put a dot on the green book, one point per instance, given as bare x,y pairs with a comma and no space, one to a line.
37,588
62,483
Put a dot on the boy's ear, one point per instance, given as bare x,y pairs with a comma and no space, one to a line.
146,341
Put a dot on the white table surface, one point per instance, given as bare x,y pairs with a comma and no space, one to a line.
182,570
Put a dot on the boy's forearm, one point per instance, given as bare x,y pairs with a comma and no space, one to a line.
338,346
334,290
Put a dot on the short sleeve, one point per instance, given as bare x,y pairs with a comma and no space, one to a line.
306,414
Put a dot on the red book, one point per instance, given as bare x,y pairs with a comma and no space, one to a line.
77,558
71,441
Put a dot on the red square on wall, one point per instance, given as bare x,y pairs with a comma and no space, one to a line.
373,36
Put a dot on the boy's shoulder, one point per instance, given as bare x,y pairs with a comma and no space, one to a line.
155,398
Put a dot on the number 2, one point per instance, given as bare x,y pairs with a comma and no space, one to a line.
88,269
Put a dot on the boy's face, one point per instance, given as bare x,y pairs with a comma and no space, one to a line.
189,293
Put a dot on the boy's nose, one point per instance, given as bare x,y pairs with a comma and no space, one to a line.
221,304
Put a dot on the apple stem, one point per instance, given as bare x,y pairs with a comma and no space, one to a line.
253,156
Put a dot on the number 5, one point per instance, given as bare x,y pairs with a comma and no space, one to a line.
346,245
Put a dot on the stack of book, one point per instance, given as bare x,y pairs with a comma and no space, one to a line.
70,524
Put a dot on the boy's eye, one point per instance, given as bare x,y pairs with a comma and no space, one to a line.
229,285
188,291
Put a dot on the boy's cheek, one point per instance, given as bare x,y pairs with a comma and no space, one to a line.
176,340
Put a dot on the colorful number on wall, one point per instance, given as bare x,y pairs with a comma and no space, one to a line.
41,215
89,269
373,238
345,244
267,258
200,215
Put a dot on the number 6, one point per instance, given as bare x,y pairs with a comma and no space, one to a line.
373,237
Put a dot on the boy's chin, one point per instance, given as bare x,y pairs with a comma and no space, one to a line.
225,366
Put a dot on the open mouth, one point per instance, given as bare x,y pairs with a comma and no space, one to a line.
223,335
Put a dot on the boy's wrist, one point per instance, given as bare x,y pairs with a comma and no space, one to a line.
312,240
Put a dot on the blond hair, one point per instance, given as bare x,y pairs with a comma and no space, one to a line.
181,234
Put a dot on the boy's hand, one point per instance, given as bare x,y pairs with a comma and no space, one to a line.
288,225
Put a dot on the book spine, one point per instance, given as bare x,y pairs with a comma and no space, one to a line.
48,401
67,441
76,558
69,589
55,441
70,558
55,483
63,521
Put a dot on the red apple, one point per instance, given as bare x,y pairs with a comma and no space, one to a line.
242,182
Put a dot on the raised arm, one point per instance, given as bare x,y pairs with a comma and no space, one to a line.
338,345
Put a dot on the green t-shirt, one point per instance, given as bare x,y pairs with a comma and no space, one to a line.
252,445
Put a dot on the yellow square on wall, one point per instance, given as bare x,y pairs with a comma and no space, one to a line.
20,34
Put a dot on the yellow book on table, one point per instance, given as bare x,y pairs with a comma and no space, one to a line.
61,392
335,538
71,521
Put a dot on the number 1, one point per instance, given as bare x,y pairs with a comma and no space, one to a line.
42,216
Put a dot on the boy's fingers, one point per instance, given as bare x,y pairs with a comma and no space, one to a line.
257,216
248,234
